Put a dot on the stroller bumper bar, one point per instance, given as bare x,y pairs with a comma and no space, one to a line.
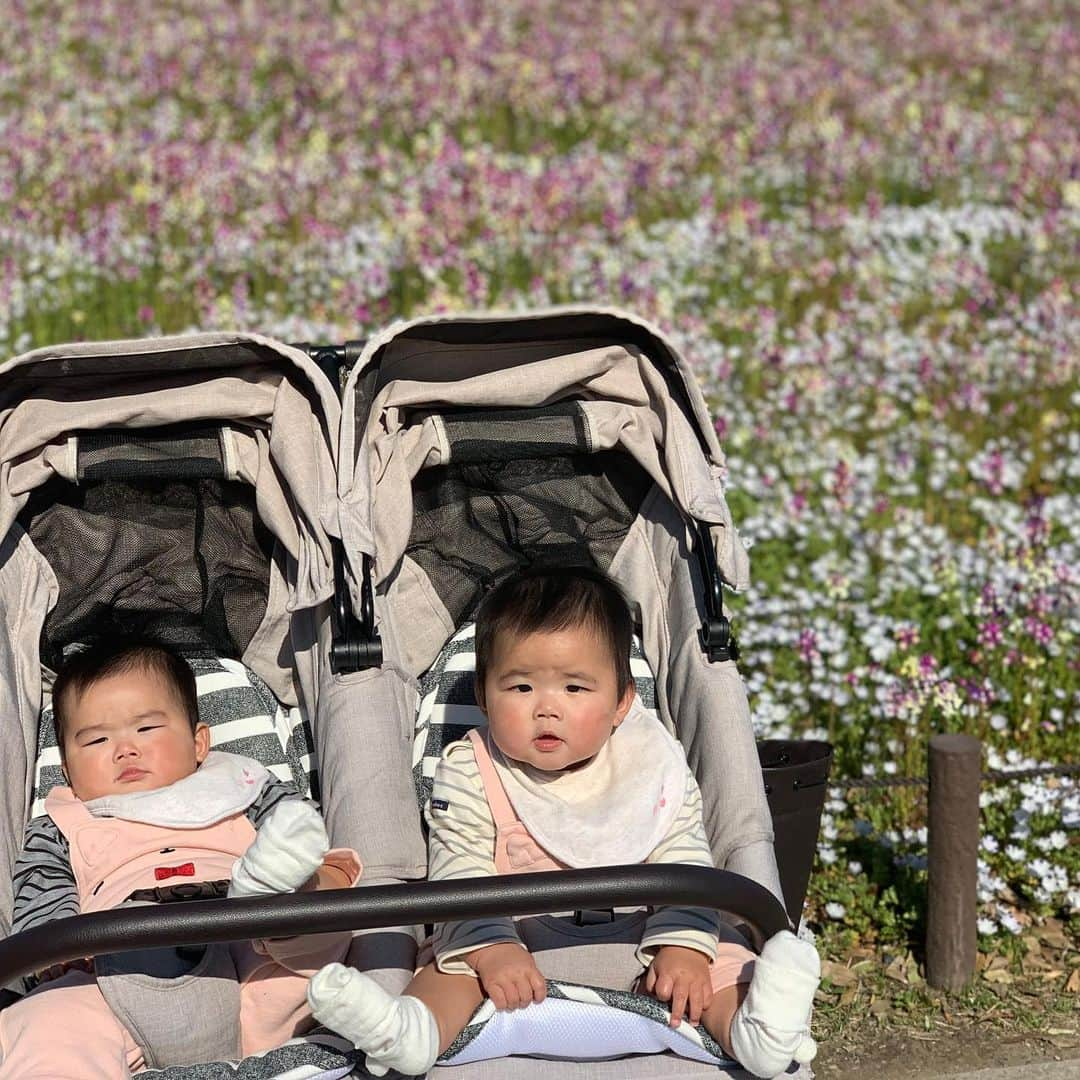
380,906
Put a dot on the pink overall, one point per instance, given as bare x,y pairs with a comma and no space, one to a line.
516,852
65,1028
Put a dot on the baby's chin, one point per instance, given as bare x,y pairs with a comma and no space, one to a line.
130,787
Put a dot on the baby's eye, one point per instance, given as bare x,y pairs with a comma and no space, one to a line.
95,742
573,688
149,727
521,688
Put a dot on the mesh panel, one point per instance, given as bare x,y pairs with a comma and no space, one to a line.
150,453
187,561
491,435
473,523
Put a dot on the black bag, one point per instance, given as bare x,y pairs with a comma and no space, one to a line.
796,776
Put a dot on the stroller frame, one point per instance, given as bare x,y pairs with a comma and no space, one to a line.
355,645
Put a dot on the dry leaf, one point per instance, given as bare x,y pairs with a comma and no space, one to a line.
1073,985
838,975
1054,938
849,995
897,971
998,976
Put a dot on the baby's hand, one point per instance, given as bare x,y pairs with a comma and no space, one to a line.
287,850
508,974
681,976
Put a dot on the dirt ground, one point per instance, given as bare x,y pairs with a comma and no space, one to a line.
897,1055
876,1019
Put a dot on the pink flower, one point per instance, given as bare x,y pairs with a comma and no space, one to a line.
808,649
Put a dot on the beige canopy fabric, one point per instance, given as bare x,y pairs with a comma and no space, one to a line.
48,394
624,396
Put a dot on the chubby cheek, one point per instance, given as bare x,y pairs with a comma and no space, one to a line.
510,728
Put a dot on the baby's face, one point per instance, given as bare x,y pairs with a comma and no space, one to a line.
552,699
129,732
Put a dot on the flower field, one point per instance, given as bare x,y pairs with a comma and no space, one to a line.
862,222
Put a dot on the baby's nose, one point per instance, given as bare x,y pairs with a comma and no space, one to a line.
547,705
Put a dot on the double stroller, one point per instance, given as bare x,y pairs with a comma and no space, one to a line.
320,560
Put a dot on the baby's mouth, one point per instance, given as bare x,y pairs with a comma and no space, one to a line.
132,774
546,740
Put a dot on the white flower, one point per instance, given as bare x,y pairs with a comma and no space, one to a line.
985,925
835,910
854,867
1009,922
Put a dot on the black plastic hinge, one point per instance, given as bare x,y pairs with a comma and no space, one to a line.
717,640
354,642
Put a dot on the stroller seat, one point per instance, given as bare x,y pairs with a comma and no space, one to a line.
475,445
184,489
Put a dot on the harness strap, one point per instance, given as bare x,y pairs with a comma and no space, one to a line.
502,812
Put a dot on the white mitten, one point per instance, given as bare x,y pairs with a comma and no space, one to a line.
288,848
395,1032
772,1026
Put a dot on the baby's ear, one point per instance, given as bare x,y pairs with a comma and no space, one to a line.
625,702
202,742
478,693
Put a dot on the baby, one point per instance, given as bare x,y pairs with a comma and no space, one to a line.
571,772
151,814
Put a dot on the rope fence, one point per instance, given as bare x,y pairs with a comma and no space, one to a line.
995,776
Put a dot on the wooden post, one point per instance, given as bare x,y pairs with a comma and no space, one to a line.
955,767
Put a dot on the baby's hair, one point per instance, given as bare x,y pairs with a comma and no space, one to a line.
118,656
546,599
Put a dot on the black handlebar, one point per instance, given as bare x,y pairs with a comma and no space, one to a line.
367,908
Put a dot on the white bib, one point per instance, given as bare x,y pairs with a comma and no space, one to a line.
615,809
223,785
